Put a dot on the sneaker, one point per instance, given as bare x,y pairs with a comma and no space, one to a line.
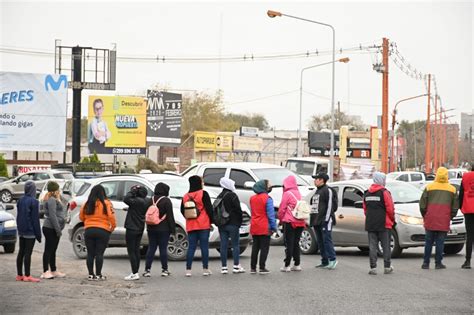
147,273
373,272
253,271
425,266
322,266
238,269
206,272
19,278
440,266
47,275
188,273
332,265
296,268
92,278
30,279
58,274
388,270
101,277
165,273
132,276
264,271
285,269
224,270
466,265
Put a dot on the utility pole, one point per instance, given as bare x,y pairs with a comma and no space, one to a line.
444,156
385,106
414,140
456,146
76,105
436,135
428,132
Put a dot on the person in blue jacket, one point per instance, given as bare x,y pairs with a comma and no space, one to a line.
28,224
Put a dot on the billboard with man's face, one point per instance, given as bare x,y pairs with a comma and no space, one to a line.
117,125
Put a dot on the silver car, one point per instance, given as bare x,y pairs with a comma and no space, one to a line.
116,186
349,230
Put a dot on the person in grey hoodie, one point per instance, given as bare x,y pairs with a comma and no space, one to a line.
52,229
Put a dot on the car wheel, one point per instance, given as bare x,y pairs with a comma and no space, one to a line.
308,242
395,248
9,248
79,243
277,237
6,196
451,249
178,245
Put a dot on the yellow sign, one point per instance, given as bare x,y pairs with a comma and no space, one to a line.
212,141
117,125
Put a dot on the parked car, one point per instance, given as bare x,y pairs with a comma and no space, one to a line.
349,230
306,167
456,172
2,179
245,175
8,230
116,186
68,188
13,189
416,179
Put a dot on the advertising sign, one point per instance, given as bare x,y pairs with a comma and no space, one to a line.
248,131
33,112
117,125
248,144
164,118
22,169
212,141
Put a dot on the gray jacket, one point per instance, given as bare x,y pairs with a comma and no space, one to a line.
54,215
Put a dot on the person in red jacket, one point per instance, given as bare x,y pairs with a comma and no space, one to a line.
466,203
379,219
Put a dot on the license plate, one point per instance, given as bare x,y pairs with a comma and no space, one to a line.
244,229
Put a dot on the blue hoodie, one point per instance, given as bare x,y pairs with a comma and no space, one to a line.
27,218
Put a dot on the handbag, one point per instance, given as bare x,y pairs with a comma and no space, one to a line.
190,209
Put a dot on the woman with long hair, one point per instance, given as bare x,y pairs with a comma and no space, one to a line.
99,222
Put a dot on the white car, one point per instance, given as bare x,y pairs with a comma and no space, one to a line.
116,187
456,172
416,179
306,167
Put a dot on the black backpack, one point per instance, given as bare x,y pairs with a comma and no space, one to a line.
219,213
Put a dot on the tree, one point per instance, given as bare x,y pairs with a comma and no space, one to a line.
148,164
320,121
3,166
247,120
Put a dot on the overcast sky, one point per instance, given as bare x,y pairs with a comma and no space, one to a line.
435,37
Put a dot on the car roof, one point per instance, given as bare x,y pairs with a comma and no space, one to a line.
154,177
249,165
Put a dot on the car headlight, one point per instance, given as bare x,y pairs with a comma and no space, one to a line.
10,224
411,220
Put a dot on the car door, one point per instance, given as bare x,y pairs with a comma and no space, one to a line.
417,179
240,177
350,220
18,186
114,192
40,179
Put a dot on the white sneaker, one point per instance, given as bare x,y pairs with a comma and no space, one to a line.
238,269
206,272
285,269
132,276
224,270
296,268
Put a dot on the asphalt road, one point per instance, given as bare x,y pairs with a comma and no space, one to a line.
348,289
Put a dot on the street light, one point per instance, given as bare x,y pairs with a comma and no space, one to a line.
299,149
273,14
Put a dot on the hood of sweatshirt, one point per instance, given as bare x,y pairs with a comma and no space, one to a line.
195,183
289,183
375,187
30,188
161,189
260,187
227,183
142,192
441,175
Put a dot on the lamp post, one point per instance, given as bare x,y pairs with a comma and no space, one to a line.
344,60
273,14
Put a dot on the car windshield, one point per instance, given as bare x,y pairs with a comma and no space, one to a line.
452,174
403,193
63,176
83,189
277,175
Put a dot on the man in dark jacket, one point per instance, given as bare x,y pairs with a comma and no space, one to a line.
438,205
379,219
466,204
159,234
138,203
322,220
231,203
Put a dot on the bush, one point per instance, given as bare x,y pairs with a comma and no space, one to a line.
89,164
147,164
3,166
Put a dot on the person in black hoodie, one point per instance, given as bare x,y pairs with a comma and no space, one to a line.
230,229
28,224
138,204
159,234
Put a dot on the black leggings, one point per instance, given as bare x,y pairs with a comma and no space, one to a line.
469,221
292,243
26,249
50,247
97,240
261,243
133,238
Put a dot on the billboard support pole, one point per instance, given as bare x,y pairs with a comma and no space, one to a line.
76,105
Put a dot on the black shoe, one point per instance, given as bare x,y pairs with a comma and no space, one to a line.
425,266
466,265
440,266
264,271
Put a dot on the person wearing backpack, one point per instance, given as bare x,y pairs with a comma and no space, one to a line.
159,234
379,213
138,203
228,218
262,225
292,227
322,219
198,226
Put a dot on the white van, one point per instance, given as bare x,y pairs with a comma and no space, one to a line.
306,167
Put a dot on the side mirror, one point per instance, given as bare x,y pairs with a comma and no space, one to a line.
359,204
249,185
66,192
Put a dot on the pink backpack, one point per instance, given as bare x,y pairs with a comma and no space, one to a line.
152,216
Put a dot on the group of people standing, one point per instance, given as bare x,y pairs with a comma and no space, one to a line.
438,205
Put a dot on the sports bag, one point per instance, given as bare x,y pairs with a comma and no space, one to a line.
301,210
219,212
152,216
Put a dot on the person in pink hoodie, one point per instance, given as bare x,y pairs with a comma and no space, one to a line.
292,227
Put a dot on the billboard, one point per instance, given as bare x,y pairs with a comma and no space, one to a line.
212,141
33,112
248,144
117,125
164,118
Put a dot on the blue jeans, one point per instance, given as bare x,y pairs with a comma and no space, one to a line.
326,248
203,237
430,238
225,232
157,239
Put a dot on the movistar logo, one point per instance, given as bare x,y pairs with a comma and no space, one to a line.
50,82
